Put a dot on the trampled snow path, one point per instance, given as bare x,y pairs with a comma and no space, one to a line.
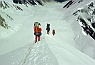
35,54
39,54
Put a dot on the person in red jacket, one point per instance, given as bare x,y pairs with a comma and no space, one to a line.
37,33
53,32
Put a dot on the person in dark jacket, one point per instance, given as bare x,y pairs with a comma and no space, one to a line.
48,28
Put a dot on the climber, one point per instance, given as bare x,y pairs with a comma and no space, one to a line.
48,28
37,31
53,32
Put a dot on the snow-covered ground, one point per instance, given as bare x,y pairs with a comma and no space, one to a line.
68,47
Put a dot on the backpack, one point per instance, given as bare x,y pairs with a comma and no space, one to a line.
37,31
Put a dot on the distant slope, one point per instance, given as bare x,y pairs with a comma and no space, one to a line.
5,5
31,2
83,42
36,2
8,17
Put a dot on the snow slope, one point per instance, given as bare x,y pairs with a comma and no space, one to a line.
46,52
35,54
82,42
66,54
20,49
